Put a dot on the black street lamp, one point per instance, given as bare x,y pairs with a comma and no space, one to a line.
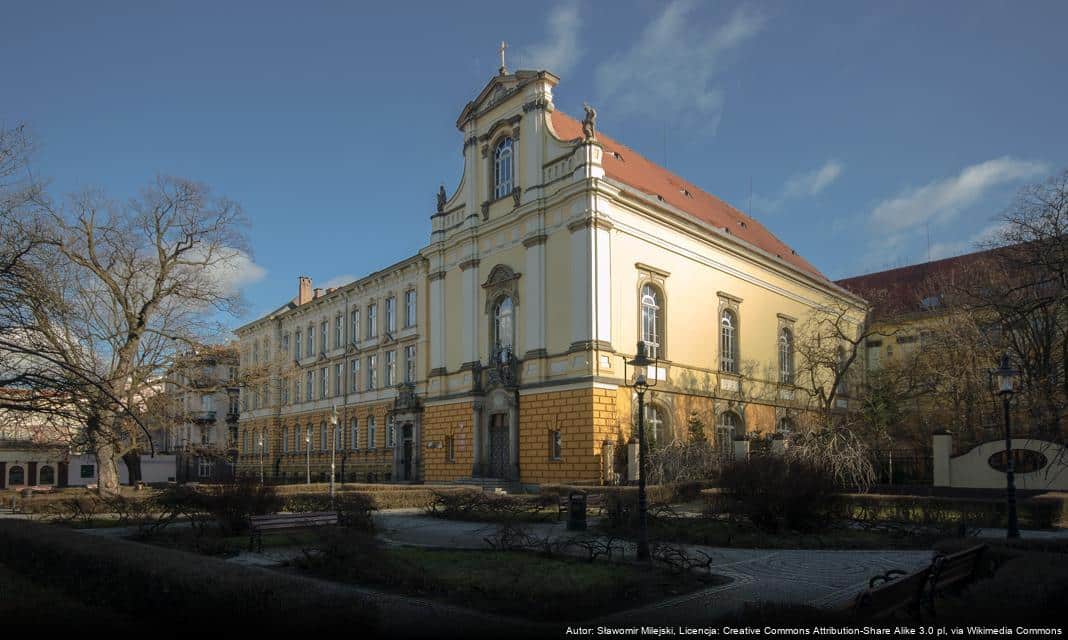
1005,377
333,449
640,384
261,457
307,453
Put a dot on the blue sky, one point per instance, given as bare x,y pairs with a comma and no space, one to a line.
873,134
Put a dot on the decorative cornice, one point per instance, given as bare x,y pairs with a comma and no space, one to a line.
535,240
590,345
785,318
641,266
470,142
541,102
596,223
438,371
470,263
485,210
437,275
470,366
727,296
536,353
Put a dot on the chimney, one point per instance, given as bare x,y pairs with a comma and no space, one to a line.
304,293
318,293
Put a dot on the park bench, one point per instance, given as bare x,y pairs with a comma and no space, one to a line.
258,525
593,501
898,590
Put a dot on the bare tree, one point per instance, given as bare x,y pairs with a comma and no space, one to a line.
105,296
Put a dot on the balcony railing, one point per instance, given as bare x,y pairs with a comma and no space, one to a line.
202,416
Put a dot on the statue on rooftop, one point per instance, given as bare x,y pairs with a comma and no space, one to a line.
441,198
589,123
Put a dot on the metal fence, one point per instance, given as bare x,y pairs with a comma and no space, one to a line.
902,467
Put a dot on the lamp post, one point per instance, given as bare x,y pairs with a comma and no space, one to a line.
307,453
261,457
333,449
640,384
1005,376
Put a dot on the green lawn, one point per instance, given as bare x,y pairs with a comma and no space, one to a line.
509,582
215,543
720,533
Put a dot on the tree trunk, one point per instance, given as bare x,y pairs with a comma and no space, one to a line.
107,464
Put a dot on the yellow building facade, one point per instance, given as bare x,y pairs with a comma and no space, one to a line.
558,251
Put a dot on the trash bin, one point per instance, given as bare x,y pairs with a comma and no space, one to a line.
576,511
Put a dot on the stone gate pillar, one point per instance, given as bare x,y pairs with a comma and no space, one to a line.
942,449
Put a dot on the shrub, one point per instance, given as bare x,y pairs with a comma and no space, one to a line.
353,509
772,492
144,580
951,512
476,505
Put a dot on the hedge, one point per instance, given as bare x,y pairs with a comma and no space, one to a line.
144,580
665,494
411,498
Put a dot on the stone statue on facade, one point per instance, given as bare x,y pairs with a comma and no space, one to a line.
589,123
441,198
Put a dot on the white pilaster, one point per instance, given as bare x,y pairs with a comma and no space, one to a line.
533,302
581,289
437,318
602,246
469,269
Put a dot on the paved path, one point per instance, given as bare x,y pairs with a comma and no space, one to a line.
816,578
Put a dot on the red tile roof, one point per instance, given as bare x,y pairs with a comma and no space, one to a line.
903,290
625,165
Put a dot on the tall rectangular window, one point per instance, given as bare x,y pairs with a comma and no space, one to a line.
354,375
391,314
372,372
322,436
339,331
339,373
354,434
324,332
372,320
391,432
556,448
309,385
450,449
354,325
409,363
296,389
310,345
409,308
285,344
296,344
285,391
255,353
322,383
371,429
391,368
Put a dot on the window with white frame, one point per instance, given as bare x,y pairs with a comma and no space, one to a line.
728,426
556,445
450,449
255,353
339,375
324,332
297,438
372,320
786,356
339,431
310,343
391,314
371,429
354,375
284,388
323,382
391,368
296,344
409,308
309,385
655,425
204,467
785,426
266,395
391,431
409,363
502,168
285,439
285,344
354,325
503,326
322,436
354,434
652,320
728,342
296,389
372,372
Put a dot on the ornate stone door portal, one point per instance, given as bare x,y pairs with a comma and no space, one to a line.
498,441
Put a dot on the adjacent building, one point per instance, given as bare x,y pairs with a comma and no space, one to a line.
497,351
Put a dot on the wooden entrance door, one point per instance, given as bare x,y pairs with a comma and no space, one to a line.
498,441
406,439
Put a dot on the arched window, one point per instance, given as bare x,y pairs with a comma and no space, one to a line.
786,356
16,475
502,168
652,320
47,475
655,425
728,342
503,326
728,426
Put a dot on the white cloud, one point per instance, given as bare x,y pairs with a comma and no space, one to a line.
942,200
976,242
561,50
235,271
337,281
801,185
670,73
